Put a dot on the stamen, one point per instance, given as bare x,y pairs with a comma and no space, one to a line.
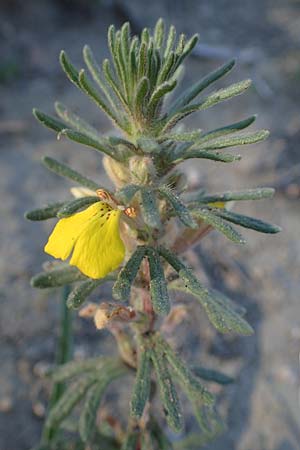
130,212
103,195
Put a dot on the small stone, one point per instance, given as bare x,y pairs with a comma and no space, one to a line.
6,404
39,409
285,374
41,368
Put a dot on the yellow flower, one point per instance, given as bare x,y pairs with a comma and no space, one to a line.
93,238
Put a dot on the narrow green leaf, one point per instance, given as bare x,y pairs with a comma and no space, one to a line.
220,96
88,416
125,41
145,35
69,69
73,394
159,33
232,141
171,258
219,312
198,87
219,224
95,95
221,315
211,100
246,221
80,293
148,145
166,68
127,193
179,208
186,377
168,393
142,60
74,368
229,129
158,94
76,122
170,41
212,375
189,136
158,286
81,138
141,388
126,276
223,299
66,171
113,83
141,94
111,39
188,48
204,154
118,64
180,45
73,206
95,71
48,212
57,277
149,208
132,68
208,419
247,194
122,49
115,141
48,121
119,61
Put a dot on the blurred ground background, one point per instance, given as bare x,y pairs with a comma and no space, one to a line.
262,407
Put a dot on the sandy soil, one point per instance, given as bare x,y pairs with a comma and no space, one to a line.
262,407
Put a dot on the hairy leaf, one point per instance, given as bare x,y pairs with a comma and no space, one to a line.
168,393
149,208
70,398
247,194
66,171
232,141
57,277
48,121
141,388
80,293
247,222
126,276
212,375
48,212
228,129
88,416
186,377
198,87
179,208
74,368
220,313
158,286
75,121
219,224
73,206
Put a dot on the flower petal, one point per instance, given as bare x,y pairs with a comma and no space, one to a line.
67,230
99,248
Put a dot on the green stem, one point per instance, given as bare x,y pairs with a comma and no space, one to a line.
63,354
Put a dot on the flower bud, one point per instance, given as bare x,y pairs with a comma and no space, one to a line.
142,169
117,172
